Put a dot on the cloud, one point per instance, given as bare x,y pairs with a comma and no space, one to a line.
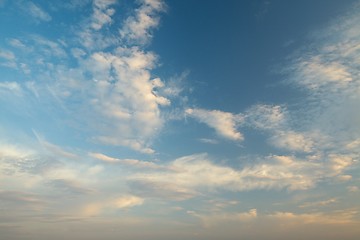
102,13
12,87
53,149
48,48
13,151
353,189
22,197
8,55
317,74
92,209
124,96
7,59
207,140
101,207
128,201
327,71
108,81
336,217
127,162
138,28
339,162
37,168
69,187
277,225
319,203
344,178
195,174
224,123
267,117
213,220
36,12
154,188
276,121
292,141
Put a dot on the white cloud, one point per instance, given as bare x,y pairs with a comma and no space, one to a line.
292,141
78,53
166,190
6,54
317,74
126,162
100,207
7,59
224,123
328,71
337,217
344,178
276,121
213,220
37,12
128,201
12,151
48,48
53,149
338,163
267,117
195,174
114,87
277,225
102,13
44,165
208,140
319,203
94,170
325,123
123,96
12,87
138,28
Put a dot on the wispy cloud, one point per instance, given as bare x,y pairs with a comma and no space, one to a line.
100,207
353,189
111,81
128,201
12,87
336,217
138,28
213,220
100,85
195,174
127,162
319,203
102,13
224,123
267,117
7,58
208,140
36,12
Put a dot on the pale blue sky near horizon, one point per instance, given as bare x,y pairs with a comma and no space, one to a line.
179,119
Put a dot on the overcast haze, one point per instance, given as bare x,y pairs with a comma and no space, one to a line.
179,119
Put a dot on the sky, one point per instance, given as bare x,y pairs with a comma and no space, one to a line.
182,120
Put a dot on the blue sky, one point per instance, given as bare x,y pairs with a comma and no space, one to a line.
179,119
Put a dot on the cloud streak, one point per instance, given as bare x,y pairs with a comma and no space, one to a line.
36,12
224,123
